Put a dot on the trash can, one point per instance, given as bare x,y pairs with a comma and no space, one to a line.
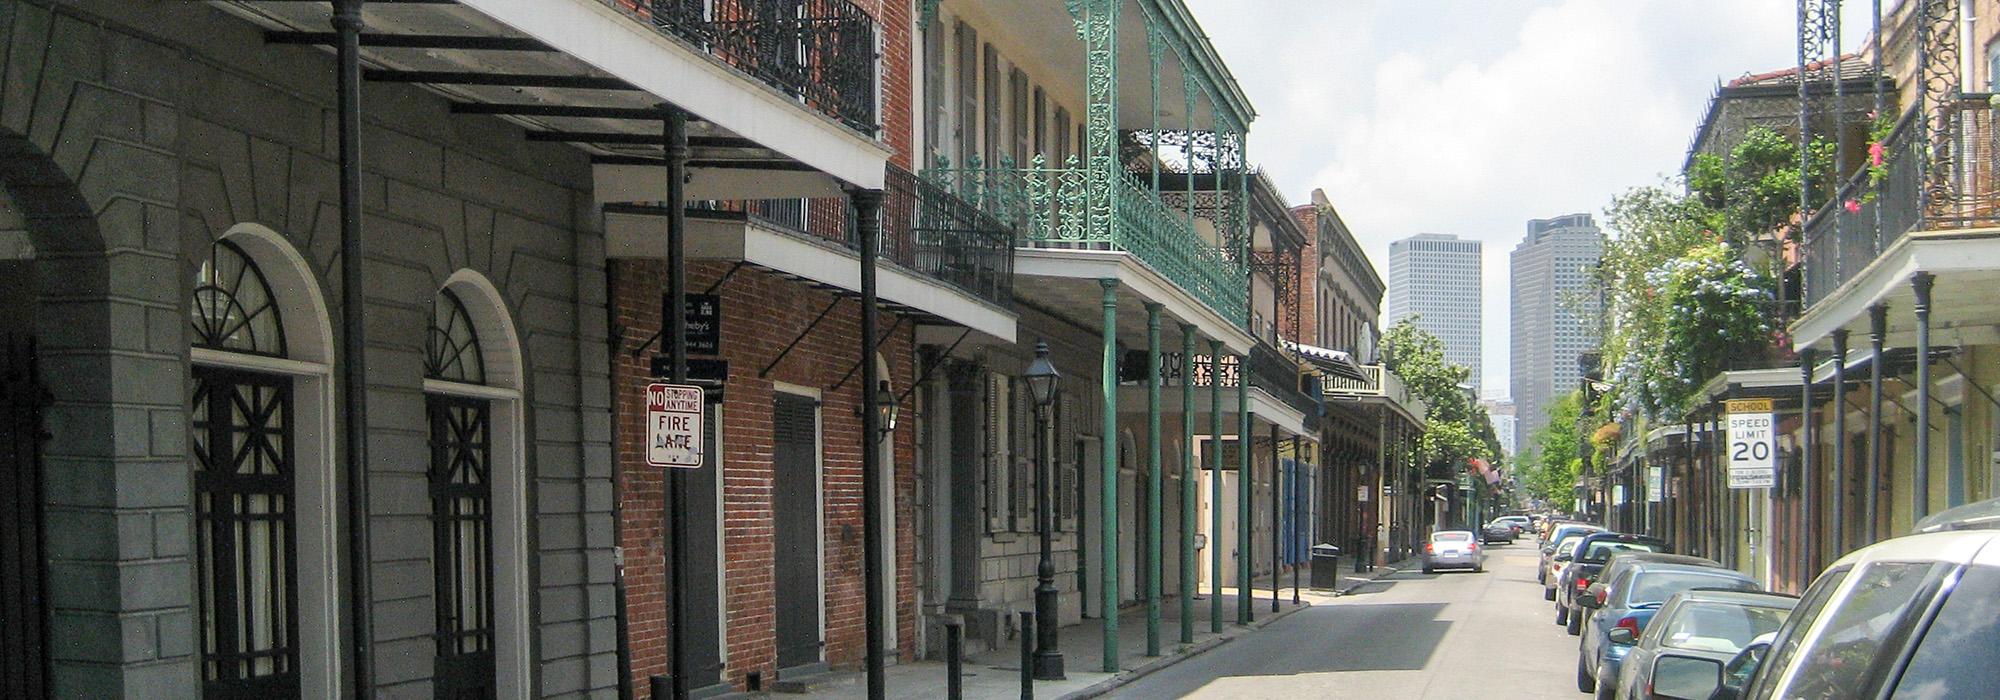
1325,566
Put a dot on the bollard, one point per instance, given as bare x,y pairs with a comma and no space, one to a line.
1361,552
1027,655
661,686
954,659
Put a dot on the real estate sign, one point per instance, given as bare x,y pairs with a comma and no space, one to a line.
673,426
1753,444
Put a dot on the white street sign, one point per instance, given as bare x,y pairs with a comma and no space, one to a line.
1753,445
1655,487
673,426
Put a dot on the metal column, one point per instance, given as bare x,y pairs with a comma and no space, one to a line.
1808,480
1277,512
1154,547
1838,512
1215,486
1108,525
1244,470
353,340
673,317
1189,475
1921,283
1878,323
868,227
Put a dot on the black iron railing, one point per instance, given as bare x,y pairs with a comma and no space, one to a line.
820,52
1947,178
925,229
1278,373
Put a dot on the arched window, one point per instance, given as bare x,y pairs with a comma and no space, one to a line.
245,473
461,490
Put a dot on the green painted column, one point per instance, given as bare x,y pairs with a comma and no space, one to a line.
1108,459
1154,479
1189,494
1215,486
1244,560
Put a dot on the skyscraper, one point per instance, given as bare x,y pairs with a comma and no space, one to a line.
1554,301
1436,278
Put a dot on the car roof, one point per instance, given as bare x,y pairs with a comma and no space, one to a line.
1978,515
1623,537
1723,595
1664,567
1634,557
1954,547
1467,533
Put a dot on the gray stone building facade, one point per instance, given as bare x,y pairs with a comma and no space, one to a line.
1436,277
1554,319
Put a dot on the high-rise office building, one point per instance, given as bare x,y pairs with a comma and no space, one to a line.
1554,301
1436,278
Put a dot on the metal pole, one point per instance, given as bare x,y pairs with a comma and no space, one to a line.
1215,486
1838,510
1277,513
1048,661
1878,325
868,227
1190,475
1298,518
354,340
954,658
1808,480
1108,542
1921,283
1027,655
1245,469
673,316
1155,548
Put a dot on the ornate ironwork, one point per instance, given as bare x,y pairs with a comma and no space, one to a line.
245,524
927,228
461,491
1937,100
233,306
820,52
451,348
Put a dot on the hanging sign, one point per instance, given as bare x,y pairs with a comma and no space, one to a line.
1753,444
1655,486
673,426
704,323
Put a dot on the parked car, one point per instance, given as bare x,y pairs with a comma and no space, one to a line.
1521,523
1555,535
1700,623
1624,559
1453,549
1912,617
1499,531
1629,603
1555,558
1591,554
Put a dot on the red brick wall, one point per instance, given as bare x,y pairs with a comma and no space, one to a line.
1308,281
762,314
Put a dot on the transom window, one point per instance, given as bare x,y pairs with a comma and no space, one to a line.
451,352
233,307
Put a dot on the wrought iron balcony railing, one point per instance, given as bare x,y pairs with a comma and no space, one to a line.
1946,179
1278,373
820,52
925,229
1048,207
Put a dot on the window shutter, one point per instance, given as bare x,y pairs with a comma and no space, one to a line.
990,137
1066,471
1062,138
1024,457
934,98
996,482
1017,83
968,94
1041,126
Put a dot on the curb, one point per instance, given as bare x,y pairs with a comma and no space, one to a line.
1197,649
1381,572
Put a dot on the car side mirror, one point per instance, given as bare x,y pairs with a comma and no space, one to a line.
1741,668
1620,635
1677,677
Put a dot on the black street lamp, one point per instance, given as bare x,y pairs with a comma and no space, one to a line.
1042,384
886,408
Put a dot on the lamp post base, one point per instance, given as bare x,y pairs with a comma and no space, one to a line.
1048,665
1048,659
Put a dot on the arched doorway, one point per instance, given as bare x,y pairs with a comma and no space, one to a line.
23,664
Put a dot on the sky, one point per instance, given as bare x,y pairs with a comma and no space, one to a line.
1470,117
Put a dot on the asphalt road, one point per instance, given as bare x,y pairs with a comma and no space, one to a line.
1448,635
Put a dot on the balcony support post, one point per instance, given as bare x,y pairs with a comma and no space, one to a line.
1215,486
1189,478
1878,327
1108,460
1277,514
1155,548
1920,283
1245,558
347,25
868,230
673,317
1837,514
1808,479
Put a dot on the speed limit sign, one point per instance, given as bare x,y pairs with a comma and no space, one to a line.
1753,443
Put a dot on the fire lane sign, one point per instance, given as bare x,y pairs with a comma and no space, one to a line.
673,426
1753,444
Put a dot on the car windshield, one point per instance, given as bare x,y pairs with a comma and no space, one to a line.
1451,537
1600,551
1720,627
1652,588
1564,545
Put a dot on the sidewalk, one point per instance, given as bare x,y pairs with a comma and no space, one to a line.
996,674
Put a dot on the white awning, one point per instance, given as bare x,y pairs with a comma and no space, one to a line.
1335,361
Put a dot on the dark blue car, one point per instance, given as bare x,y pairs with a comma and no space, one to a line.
1629,603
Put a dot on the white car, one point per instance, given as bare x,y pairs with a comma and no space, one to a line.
1453,549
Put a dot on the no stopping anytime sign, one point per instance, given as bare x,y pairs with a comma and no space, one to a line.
673,426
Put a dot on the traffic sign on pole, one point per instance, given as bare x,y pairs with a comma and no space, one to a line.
1753,444
673,426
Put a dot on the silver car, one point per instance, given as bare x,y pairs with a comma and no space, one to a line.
1453,549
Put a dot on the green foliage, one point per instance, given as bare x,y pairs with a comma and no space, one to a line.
1552,464
1457,429
1755,190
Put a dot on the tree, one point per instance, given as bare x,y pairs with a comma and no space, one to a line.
1554,446
1456,429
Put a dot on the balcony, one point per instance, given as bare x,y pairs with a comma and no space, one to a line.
818,52
1378,386
1954,183
1048,207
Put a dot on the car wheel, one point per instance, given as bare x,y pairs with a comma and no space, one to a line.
1429,570
1479,569
1542,575
1575,624
1562,614
1584,683
1547,592
1607,683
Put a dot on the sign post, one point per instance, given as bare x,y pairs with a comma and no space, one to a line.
1753,444
673,426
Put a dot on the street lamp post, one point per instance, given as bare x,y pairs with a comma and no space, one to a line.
1042,383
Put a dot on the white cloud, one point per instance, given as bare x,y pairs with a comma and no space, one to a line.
1470,117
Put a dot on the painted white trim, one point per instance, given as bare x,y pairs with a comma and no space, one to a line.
819,492
1889,275
471,391
594,32
721,567
258,363
640,236
1142,279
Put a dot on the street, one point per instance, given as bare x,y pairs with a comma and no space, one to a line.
1410,635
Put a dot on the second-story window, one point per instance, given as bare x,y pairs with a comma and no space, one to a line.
1062,137
1017,116
990,133
968,94
935,113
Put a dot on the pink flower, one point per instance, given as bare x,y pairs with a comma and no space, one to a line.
1853,206
1875,154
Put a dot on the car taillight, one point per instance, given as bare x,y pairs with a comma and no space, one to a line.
1582,583
1474,546
1629,624
1430,548
1601,595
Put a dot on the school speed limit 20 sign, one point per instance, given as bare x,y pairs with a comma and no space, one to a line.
1753,444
